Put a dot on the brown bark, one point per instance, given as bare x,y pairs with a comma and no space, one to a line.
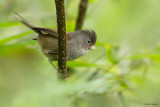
81,15
62,71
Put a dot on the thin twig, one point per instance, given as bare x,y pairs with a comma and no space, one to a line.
81,15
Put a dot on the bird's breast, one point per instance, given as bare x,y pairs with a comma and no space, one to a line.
75,50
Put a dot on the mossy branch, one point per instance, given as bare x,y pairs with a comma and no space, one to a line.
62,71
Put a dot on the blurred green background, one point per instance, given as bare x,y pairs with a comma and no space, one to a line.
123,71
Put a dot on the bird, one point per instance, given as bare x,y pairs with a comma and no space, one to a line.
78,43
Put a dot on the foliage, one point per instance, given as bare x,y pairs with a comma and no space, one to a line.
123,71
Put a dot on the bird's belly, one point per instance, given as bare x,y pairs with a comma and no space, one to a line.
74,53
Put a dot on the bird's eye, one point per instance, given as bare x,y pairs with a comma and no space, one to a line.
88,42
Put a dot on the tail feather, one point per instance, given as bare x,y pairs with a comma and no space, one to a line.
26,23
39,30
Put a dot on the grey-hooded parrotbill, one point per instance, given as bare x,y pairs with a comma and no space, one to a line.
78,43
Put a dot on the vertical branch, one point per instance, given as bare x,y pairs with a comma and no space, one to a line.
62,71
81,15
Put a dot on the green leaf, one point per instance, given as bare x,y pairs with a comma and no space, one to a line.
92,1
23,43
110,53
80,64
9,24
146,55
3,41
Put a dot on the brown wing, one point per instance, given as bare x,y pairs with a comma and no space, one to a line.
48,37
48,44
46,31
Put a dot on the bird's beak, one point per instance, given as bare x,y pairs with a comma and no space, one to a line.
92,48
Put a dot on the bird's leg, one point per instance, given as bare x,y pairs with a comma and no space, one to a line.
50,61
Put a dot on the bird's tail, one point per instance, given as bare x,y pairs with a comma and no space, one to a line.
23,21
39,30
26,23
